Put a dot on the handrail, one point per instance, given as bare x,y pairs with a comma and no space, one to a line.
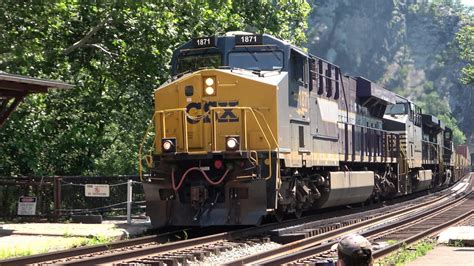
214,129
268,127
140,147
212,114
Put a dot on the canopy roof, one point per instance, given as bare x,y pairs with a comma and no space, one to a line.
14,88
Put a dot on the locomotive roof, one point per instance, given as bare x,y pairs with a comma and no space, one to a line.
367,89
432,121
235,41
229,39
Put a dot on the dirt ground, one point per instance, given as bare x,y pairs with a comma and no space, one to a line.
32,238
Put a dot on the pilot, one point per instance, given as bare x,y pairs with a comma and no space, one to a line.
354,250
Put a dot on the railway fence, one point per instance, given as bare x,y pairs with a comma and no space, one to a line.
59,197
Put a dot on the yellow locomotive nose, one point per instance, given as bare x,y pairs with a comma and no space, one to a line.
201,110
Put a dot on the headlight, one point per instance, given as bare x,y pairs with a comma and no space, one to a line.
209,81
209,90
209,85
168,144
232,143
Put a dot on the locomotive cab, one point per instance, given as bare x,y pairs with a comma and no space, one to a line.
405,118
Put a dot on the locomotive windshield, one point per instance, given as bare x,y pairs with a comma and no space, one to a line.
197,61
261,60
396,109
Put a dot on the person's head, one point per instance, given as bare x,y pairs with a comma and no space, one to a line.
354,250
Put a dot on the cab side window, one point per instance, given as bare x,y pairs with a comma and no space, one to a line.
299,68
299,76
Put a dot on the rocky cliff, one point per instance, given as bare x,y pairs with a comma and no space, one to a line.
406,45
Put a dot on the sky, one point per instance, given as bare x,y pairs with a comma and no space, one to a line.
468,2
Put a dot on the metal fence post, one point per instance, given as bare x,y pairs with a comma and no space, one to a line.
57,196
129,201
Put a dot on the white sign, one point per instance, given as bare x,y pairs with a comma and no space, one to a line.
27,206
96,190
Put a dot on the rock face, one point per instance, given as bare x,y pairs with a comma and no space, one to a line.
406,45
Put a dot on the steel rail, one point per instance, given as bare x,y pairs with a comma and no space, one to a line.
306,247
61,254
115,257
389,249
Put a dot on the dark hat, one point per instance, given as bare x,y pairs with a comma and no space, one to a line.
353,243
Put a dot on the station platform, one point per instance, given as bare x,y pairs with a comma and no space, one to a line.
455,247
446,255
31,238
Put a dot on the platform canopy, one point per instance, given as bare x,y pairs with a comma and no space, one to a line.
14,88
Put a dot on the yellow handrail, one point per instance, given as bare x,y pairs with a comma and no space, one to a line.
268,127
214,129
140,166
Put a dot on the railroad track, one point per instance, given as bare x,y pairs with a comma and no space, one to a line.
152,249
81,251
403,231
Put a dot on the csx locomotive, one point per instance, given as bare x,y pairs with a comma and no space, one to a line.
251,126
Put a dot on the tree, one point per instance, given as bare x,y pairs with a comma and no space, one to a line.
465,39
115,53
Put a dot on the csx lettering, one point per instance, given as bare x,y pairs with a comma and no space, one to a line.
226,116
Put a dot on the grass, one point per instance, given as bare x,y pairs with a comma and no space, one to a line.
46,245
408,253
67,234
95,240
10,253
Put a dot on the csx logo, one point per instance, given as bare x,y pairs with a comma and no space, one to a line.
226,116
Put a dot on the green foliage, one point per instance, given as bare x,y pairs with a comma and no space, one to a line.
67,234
407,254
465,39
93,240
432,103
10,253
115,53
48,245
451,122
287,19
391,241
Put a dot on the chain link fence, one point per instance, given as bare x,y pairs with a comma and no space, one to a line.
62,196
